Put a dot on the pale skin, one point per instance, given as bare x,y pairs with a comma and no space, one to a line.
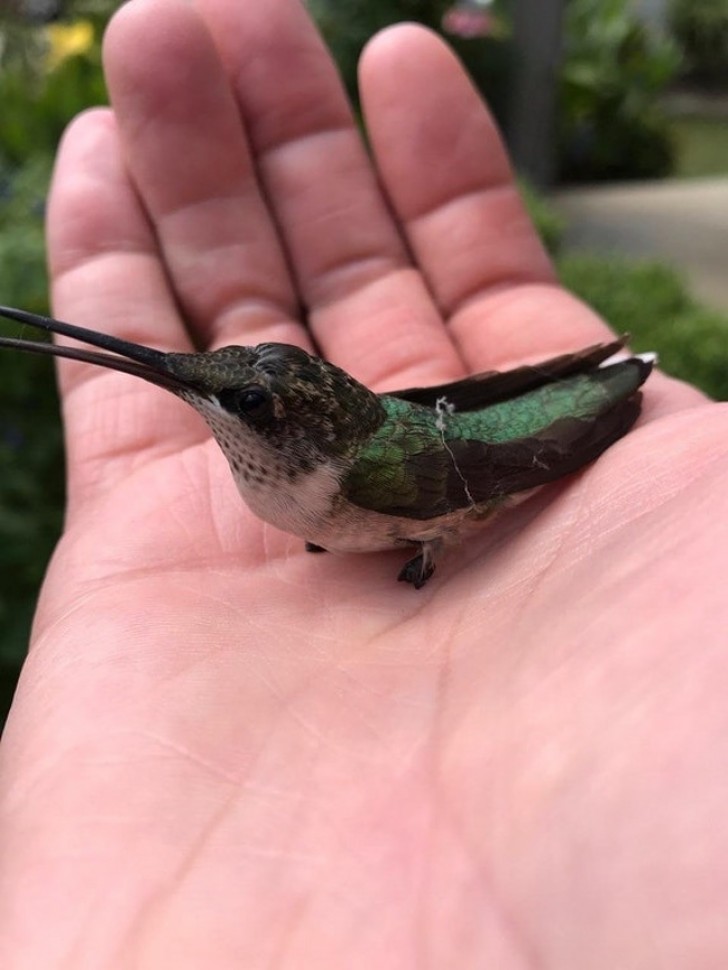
225,752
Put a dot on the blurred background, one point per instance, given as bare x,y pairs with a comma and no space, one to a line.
616,112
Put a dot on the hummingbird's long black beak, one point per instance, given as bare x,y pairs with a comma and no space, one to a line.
136,359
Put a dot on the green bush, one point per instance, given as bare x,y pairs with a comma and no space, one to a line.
31,465
42,86
651,302
347,25
31,495
23,278
701,146
47,75
31,461
550,224
701,29
610,119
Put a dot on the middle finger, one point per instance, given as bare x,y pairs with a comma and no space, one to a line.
369,307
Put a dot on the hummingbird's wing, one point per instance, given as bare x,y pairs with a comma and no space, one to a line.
425,463
480,390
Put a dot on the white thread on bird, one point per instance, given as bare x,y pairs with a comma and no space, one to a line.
445,409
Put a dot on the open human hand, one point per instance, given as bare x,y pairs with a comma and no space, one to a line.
227,753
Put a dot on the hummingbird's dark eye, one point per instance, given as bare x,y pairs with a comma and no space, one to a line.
253,402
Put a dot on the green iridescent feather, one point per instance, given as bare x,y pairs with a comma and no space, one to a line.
423,461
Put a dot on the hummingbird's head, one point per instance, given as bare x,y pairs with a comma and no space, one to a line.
279,396
269,400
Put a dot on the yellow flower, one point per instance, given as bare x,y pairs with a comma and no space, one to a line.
67,40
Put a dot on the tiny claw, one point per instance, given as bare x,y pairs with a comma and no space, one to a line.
417,570
312,547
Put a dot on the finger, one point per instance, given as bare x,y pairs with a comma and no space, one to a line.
449,179
188,155
107,275
105,268
369,309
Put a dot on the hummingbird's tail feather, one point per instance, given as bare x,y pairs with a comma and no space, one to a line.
611,403
490,387
623,377
541,436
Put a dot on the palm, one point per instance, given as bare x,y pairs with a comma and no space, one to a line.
230,753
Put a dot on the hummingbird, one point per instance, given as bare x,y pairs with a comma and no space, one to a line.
317,454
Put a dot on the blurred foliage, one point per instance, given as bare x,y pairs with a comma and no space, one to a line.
48,73
549,223
31,477
23,278
614,69
347,25
31,494
701,29
651,302
701,146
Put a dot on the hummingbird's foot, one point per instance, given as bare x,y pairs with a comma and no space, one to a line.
312,547
419,569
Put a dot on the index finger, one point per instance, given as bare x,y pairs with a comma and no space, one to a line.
188,155
369,308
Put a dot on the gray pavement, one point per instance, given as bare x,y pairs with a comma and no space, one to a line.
683,222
